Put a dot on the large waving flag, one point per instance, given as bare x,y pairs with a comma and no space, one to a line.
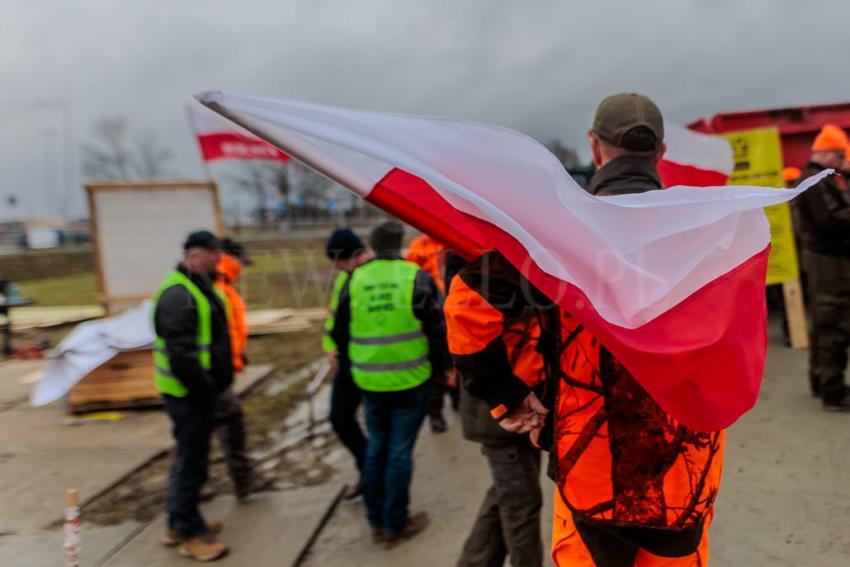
672,282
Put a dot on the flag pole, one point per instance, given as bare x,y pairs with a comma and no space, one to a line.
193,125
295,146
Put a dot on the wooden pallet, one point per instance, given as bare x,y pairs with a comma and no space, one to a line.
126,381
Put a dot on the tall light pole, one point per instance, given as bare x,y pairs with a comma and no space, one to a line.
67,151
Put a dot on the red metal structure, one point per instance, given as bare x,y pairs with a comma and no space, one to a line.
798,126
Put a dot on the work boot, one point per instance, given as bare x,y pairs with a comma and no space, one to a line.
258,483
841,405
354,491
206,547
172,537
415,525
379,536
438,424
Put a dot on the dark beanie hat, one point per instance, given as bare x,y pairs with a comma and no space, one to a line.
343,244
387,237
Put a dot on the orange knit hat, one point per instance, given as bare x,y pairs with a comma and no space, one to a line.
831,138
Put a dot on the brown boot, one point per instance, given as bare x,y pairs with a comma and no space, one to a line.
415,525
172,537
203,548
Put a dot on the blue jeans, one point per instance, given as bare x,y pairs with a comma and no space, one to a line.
387,472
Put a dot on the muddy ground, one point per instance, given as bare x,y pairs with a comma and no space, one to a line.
281,437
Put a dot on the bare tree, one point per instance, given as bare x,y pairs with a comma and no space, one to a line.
255,181
280,180
115,154
151,160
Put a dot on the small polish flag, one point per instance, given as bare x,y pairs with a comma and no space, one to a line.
219,138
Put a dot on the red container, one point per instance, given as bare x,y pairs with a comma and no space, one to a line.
798,126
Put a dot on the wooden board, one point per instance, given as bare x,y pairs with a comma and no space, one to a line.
138,231
795,313
126,381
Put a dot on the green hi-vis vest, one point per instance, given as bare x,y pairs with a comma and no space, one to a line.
328,343
387,348
166,382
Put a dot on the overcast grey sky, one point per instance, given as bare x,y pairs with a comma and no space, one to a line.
539,66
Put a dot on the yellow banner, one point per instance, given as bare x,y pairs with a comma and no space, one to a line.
758,161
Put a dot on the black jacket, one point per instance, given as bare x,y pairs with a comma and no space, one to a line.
427,307
176,321
824,215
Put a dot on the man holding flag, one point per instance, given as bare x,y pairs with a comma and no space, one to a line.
634,486
655,319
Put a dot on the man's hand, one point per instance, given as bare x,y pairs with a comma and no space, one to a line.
333,359
451,377
528,417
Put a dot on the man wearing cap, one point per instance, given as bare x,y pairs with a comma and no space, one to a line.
824,215
389,319
192,366
634,486
230,419
346,252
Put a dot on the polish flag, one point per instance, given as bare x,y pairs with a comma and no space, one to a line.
219,138
672,282
695,159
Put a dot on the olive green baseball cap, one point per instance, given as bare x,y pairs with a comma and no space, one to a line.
630,121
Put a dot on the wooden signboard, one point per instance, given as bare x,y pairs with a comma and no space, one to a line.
138,231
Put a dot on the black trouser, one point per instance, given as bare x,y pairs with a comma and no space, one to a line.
508,522
439,388
829,300
345,399
230,430
193,421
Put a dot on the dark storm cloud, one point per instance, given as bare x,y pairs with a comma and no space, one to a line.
538,66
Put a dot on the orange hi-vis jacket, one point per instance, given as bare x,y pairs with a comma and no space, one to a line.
229,269
426,253
619,461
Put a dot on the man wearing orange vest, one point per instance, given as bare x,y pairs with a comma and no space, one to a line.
634,486
508,520
428,254
824,216
230,420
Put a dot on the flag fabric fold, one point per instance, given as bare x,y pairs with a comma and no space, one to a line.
695,159
672,282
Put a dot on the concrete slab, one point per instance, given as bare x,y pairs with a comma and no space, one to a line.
45,547
785,497
15,381
267,531
41,456
450,479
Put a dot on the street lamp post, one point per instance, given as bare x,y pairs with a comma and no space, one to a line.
67,150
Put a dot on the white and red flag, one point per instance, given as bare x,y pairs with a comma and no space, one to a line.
695,159
672,282
219,138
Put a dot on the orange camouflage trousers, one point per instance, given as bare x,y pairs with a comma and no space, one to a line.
568,549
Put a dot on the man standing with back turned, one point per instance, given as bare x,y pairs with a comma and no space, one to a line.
193,365
635,488
389,320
